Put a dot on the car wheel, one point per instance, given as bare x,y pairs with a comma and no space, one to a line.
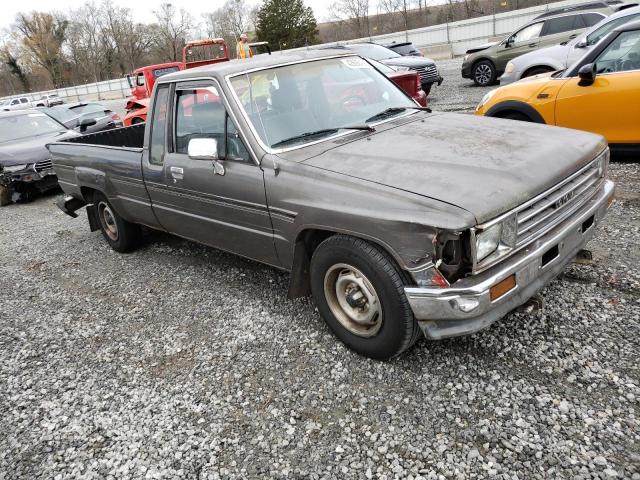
427,89
517,116
536,71
484,73
359,292
121,235
136,121
5,195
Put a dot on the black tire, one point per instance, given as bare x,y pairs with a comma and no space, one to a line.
517,116
484,73
536,71
136,121
427,89
121,235
5,195
397,329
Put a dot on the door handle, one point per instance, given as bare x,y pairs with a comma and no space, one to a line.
531,45
177,173
573,36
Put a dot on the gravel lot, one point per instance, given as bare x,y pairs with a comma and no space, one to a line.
182,361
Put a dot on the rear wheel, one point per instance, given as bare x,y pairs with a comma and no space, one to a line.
359,292
121,235
5,195
484,73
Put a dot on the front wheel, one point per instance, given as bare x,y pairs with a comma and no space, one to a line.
427,88
121,235
484,73
359,292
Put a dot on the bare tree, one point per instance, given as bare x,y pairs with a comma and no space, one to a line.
43,36
171,31
355,12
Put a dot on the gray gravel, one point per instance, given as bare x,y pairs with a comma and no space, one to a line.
181,361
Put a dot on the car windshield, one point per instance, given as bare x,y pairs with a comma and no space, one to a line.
17,127
312,100
65,113
376,52
600,33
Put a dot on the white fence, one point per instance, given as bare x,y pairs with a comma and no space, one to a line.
460,35
106,90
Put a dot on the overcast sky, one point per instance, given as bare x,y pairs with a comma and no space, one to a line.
142,10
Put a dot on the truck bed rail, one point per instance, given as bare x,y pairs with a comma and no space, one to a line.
125,137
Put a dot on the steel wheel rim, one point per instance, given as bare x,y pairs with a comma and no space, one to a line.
108,221
483,74
353,300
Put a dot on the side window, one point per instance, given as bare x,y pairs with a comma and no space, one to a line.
15,102
235,149
590,19
561,25
158,126
199,114
24,100
140,79
599,34
527,33
621,55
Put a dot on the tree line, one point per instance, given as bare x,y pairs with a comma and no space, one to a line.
101,41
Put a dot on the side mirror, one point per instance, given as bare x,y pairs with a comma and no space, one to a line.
587,74
509,42
206,149
86,123
581,44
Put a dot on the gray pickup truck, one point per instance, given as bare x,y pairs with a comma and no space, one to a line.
396,219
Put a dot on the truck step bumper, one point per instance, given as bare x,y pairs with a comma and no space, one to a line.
70,205
465,309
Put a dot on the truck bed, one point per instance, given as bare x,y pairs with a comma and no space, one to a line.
126,137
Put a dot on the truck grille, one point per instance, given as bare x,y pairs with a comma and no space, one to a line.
428,73
43,165
542,213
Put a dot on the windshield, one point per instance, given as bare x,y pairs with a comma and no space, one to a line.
376,52
17,127
599,33
321,95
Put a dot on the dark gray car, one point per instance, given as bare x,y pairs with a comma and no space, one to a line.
397,220
25,162
425,67
85,117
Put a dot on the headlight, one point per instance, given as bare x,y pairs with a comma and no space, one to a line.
602,162
14,168
499,238
509,68
486,98
466,57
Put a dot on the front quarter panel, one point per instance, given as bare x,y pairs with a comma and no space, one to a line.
303,197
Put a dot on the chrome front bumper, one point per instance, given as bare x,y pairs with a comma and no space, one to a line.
440,311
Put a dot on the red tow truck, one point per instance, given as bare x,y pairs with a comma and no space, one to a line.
141,81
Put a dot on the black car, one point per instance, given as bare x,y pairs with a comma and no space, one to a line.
25,163
406,49
85,117
425,67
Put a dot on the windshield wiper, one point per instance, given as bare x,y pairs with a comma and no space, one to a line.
321,133
394,111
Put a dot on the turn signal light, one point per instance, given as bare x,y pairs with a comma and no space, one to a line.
502,287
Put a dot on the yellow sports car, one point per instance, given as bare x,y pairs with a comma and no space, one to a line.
600,93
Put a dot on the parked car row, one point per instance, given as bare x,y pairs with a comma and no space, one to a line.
486,63
22,103
25,164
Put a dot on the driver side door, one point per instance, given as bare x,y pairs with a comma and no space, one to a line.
611,105
224,207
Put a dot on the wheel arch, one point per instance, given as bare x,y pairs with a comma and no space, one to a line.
306,243
545,66
501,109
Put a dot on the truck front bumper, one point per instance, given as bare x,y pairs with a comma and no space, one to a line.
467,307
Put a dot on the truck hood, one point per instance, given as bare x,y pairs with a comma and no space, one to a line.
30,150
486,166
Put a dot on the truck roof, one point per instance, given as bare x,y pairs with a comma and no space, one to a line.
233,67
